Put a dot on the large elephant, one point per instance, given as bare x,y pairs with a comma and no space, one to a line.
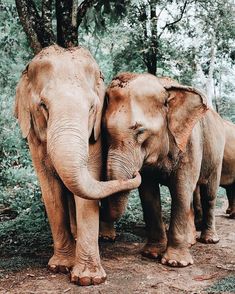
167,131
227,180
59,102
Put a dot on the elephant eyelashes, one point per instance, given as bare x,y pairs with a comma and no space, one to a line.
140,139
140,131
43,105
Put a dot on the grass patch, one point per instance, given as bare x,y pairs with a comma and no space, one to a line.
18,263
225,285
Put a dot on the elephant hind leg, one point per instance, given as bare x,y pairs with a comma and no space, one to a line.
208,199
197,207
107,231
230,190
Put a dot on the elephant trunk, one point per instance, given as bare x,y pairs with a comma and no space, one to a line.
118,167
68,149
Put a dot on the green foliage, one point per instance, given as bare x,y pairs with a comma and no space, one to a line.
18,263
19,191
225,285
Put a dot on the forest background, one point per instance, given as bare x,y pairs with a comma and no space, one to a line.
190,41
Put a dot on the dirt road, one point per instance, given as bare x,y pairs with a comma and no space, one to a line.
128,272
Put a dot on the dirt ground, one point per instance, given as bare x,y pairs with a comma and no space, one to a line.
128,272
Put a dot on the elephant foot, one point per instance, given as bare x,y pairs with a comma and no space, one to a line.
107,232
209,237
88,274
177,257
61,264
153,250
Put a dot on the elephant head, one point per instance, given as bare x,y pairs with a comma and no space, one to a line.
59,101
145,117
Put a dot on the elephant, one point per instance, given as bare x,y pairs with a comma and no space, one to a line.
227,180
167,132
59,102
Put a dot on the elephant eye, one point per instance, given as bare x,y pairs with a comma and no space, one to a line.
43,105
140,131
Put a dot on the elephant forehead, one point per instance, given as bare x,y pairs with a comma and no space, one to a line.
67,66
147,88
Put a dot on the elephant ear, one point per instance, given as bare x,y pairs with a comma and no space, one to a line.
186,106
99,108
21,111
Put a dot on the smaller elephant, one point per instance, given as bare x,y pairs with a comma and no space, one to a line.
166,131
227,180
59,102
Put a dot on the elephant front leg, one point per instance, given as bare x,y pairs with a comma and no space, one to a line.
112,209
197,208
156,236
180,234
208,198
55,195
87,269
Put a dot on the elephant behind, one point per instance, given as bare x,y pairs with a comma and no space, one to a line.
59,101
227,180
166,131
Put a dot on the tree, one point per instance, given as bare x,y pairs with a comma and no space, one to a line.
214,33
37,19
39,28
149,21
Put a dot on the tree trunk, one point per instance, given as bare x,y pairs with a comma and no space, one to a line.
150,37
153,38
210,81
38,26
67,25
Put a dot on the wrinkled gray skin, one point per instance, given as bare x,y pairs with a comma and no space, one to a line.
227,180
167,131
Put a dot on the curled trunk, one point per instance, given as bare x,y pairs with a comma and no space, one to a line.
118,167
68,149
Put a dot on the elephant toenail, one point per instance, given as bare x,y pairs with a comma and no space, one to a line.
172,262
163,261
85,281
98,280
73,279
183,263
53,268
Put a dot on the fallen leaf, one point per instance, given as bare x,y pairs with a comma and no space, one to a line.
31,275
67,290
